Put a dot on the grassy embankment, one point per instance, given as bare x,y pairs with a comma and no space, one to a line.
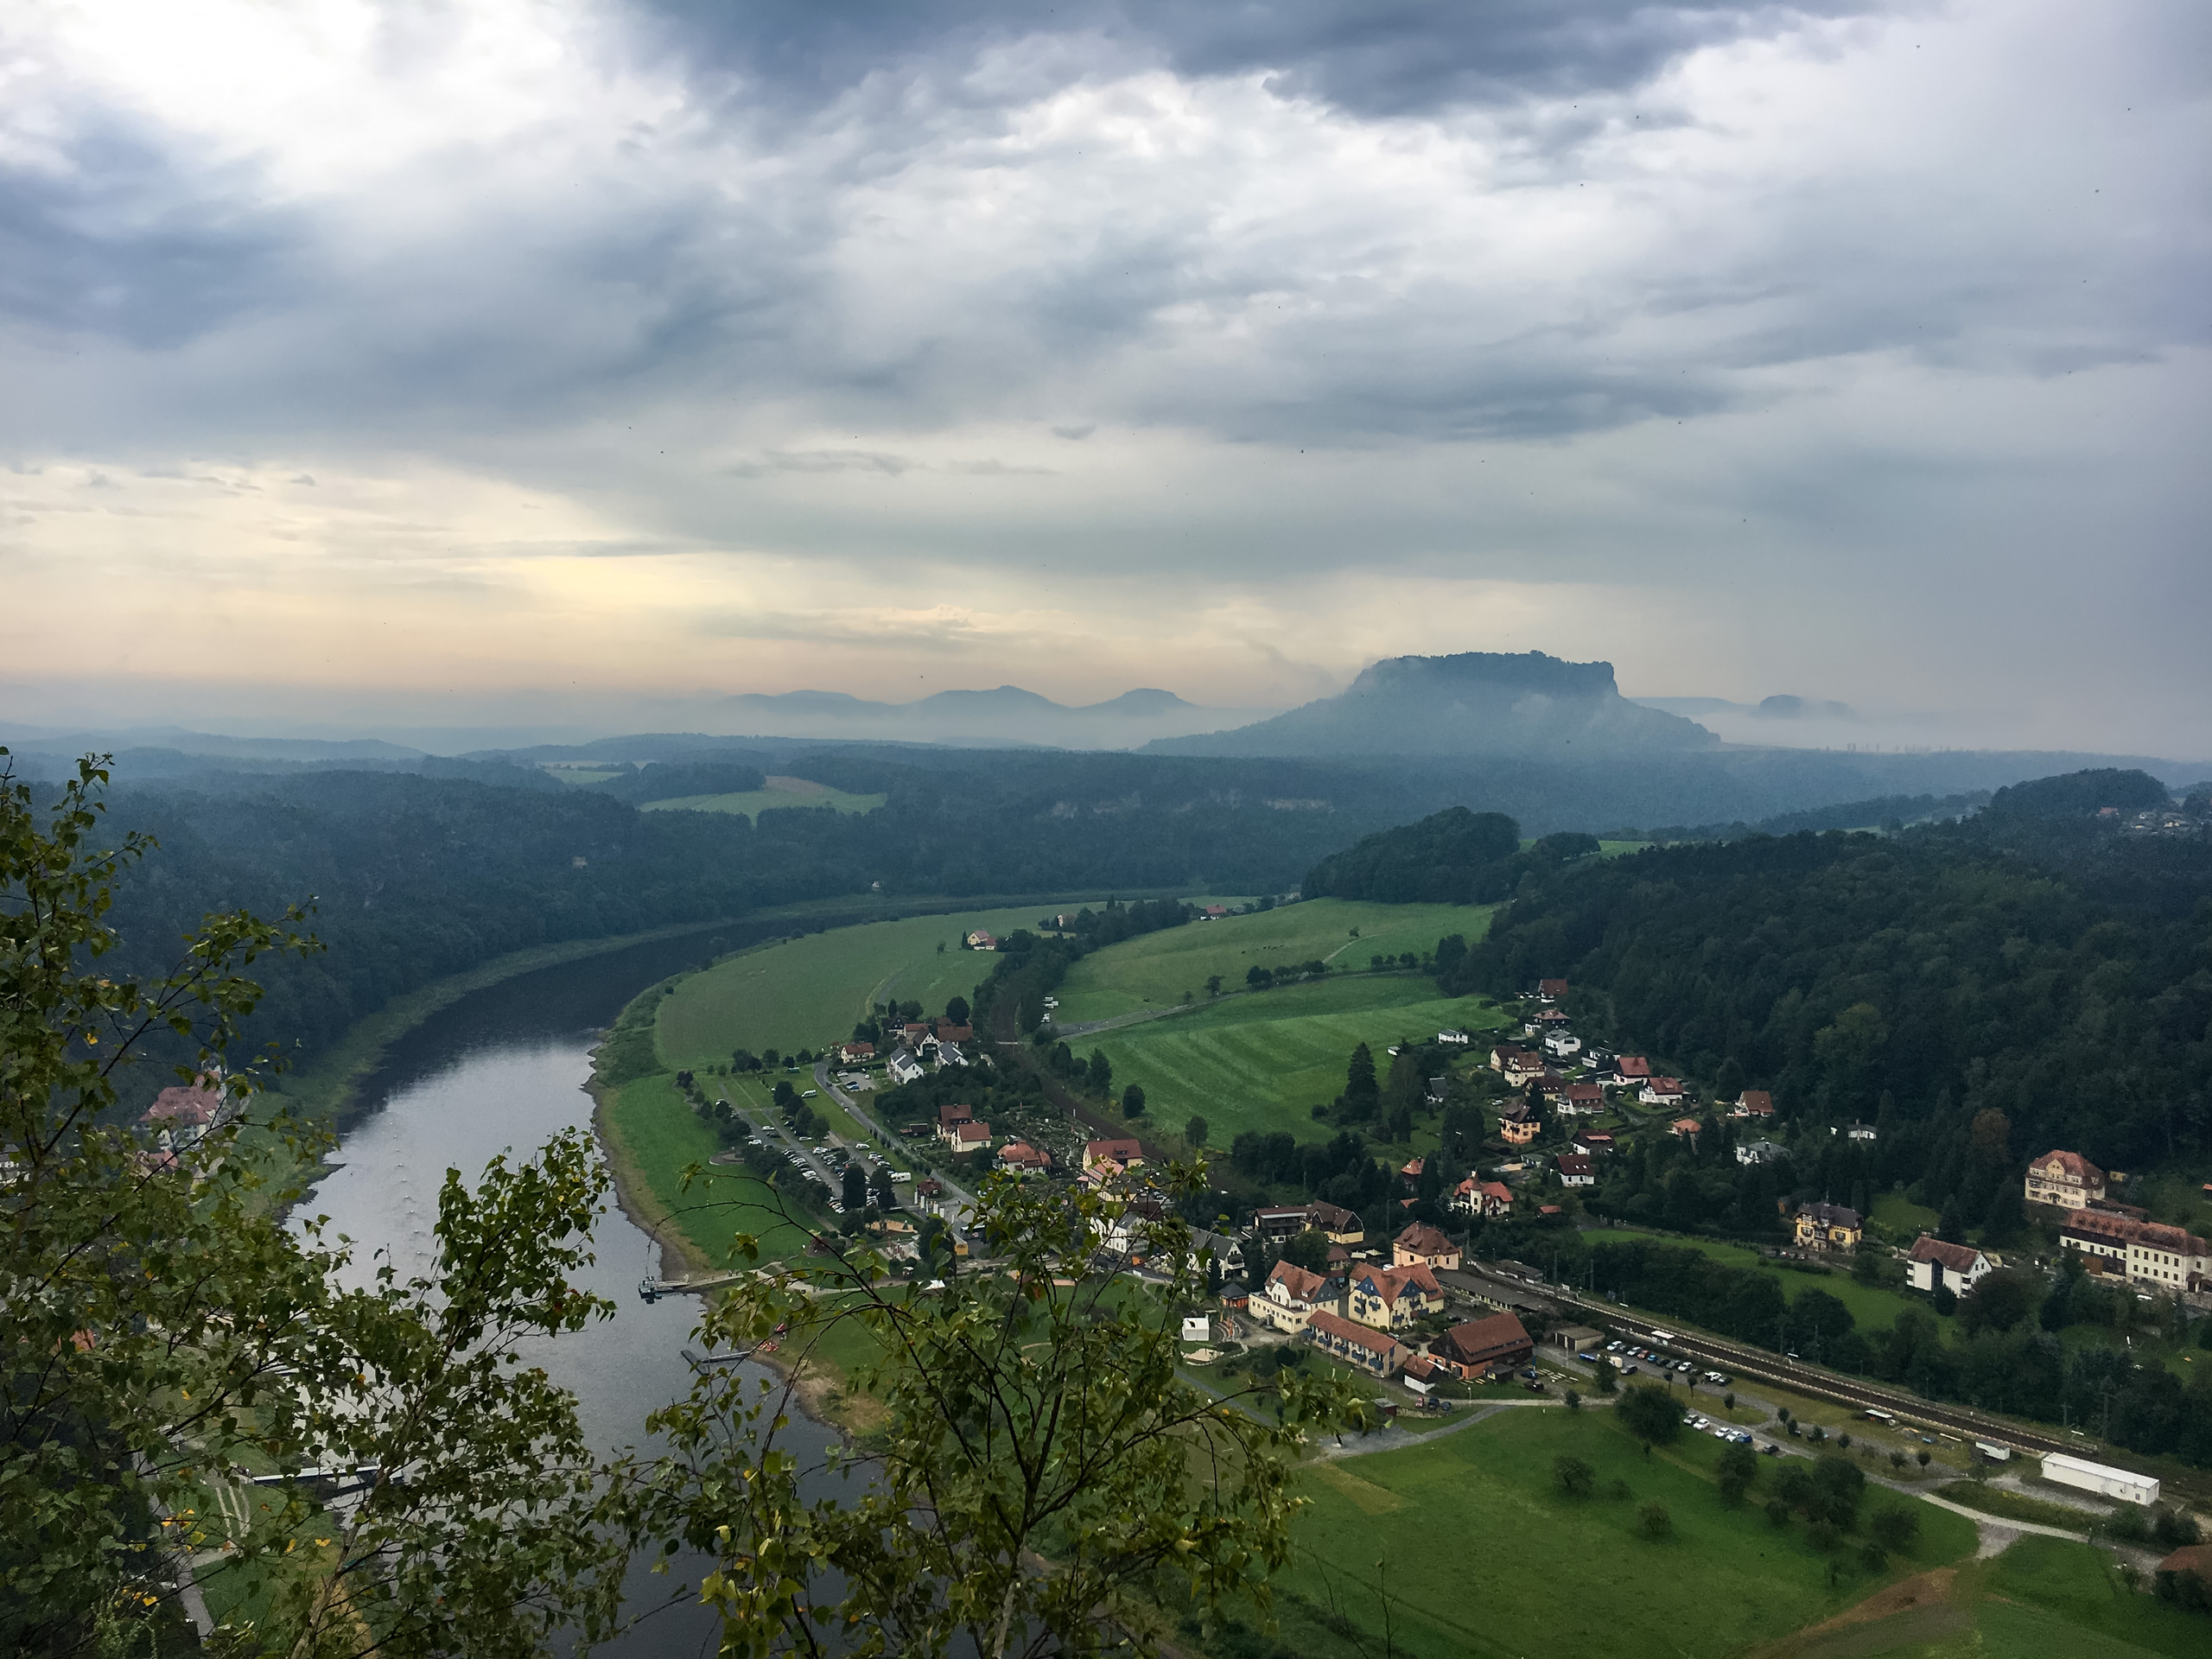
780,793
808,993
1486,1556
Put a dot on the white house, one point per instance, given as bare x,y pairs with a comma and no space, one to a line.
1760,1152
1935,1264
904,1067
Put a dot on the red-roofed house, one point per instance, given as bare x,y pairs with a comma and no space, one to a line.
1126,1153
1469,1350
1429,1246
1410,1174
1661,1091
1590,1142
1634,1069
1518,1123
1356,1344
1390,1299
1550,990
2066,1179
187,1111
1293,1295
1575,1170
971,1137
1580,1100
1753,1103
855,1053
1935,1265
1684,1126
1474,1197
1022,1159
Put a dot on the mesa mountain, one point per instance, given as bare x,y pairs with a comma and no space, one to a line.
1473,702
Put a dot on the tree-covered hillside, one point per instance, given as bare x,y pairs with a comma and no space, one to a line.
2054,965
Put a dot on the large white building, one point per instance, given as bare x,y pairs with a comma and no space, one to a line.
2064,1180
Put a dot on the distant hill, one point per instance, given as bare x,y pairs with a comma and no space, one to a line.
1005,714
1471,703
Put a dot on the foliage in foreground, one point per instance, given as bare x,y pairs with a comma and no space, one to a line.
1041,1469
165,1332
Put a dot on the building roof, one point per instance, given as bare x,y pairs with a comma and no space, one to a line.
1122,1150
1411,1171
1551,988
969,1134
2190,1557
1359,1336
948,1116
1959,1258
1586,1091
1424,1240
195,1104
1665,1085
1332,1218
1021,1152
1633,1066
1302,1283
1684,1126
2177,1240
1388,1284
1479,1341
2076,1167
1573,1163
1757,1101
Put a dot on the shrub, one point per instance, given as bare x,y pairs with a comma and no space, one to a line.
1573,1400
1870,1556
2172,1528
2130,1523
1739,1472
1778,1512
1823,1536
1651,1414
1576,1478
1653,1521
1617,1489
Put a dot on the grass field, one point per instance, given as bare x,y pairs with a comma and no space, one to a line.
1873,1306
1263,1061
652,1136
1901,1217
780,791
805,993
1155,971
1486,1558
2043,1596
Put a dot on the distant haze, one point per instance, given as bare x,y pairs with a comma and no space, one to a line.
562,366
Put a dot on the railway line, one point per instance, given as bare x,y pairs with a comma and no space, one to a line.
1743,1360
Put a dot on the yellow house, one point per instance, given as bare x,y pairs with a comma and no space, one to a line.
1828,1227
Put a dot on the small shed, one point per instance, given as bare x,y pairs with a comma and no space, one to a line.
1576,1339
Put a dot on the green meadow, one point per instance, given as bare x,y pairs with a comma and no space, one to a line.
2041,1597
1265,1059
1155,971
780,792
1482,1555
1874,1306
806,992
652,1136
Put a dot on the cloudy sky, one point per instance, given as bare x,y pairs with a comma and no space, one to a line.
541,358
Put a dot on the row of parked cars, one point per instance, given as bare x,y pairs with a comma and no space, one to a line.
1627,1356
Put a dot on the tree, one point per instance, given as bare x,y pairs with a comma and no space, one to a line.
956,1010
1575,1476
1606,1384
1650,1413
1653,1521
1194,1132
1259,978
1309,1250
1132,1101
1895,1527
1213,984
2002,1299
883,1190
1101,1070
855,1187
1361,1092
785,1095
1031,1412
1739,1472
165,1325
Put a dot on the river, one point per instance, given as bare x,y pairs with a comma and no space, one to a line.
500,1071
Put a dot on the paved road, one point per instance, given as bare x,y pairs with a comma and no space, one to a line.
868,1121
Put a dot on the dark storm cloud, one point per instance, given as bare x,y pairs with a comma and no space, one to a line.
1368,57
127,245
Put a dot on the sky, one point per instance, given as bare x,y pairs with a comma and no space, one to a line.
566,360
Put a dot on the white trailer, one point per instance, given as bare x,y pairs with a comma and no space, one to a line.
2099,1478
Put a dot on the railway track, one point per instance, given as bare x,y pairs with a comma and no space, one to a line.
1909,1409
